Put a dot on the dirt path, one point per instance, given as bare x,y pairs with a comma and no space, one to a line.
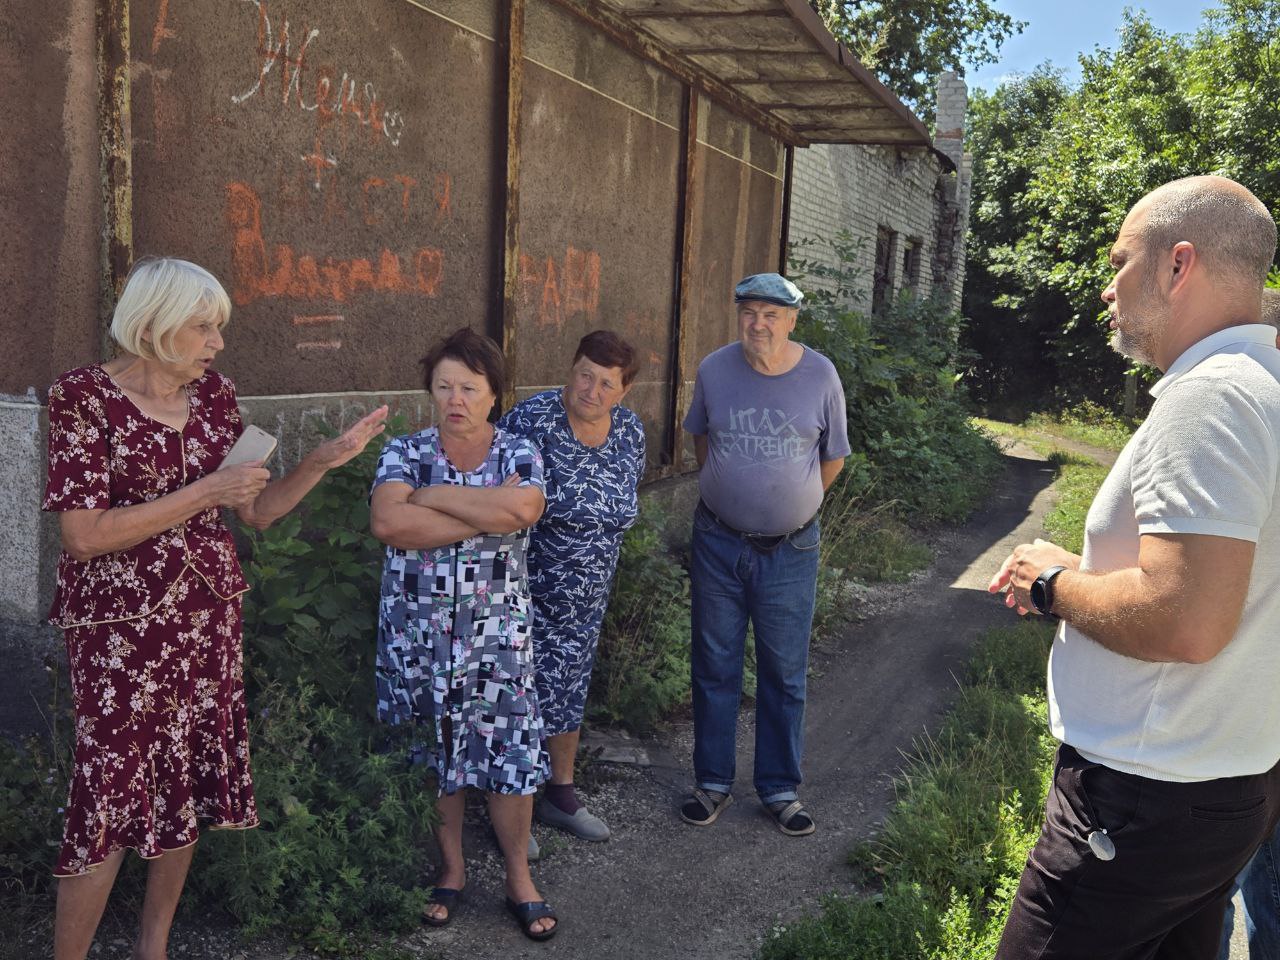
662,889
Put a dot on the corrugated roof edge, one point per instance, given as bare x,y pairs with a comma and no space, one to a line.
805,15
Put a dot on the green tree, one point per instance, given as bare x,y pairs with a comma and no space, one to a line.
909,42
1057,167
1010,355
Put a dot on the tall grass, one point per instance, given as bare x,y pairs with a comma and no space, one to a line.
937,882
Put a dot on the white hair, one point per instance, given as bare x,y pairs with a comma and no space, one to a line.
160,295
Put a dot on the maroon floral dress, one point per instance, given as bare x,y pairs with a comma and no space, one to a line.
153,632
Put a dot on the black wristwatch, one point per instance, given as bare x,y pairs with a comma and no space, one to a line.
1042,591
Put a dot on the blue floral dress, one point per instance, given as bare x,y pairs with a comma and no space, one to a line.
573,550
454,644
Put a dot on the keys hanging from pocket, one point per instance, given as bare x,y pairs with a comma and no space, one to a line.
1102,846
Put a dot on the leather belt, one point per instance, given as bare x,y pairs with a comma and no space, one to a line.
759,541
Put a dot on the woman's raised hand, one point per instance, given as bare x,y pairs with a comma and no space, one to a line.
336,452
237,486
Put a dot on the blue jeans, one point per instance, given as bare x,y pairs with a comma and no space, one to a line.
1260,883
731,582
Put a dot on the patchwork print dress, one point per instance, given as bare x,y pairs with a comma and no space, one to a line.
153,632
454,645
573,551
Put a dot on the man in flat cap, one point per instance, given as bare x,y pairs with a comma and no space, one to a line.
768,425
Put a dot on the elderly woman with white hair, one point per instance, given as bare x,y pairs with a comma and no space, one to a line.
148,594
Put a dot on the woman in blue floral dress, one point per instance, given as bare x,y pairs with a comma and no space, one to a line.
453,503
594,455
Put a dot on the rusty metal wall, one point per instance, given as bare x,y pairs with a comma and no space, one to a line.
343,168
736,211
50,210
312,155
600,180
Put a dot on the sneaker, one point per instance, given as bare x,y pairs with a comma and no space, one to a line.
583,824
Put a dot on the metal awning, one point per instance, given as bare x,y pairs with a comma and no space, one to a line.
771,60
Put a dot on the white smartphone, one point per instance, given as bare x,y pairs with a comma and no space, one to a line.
254,444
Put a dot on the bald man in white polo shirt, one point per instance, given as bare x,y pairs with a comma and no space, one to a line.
1164,679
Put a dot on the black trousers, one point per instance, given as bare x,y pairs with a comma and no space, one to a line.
1178,846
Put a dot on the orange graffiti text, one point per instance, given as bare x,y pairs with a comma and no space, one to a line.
563,291
284,272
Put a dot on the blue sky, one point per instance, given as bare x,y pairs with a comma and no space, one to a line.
1059,30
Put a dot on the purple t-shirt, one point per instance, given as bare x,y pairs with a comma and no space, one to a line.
765,438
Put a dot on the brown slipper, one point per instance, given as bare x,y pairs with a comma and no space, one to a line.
701,810
793,819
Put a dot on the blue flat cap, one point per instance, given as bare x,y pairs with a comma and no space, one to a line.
769,287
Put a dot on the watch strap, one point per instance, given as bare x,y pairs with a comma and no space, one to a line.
1042,590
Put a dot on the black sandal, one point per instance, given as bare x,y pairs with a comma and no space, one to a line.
701,810
445,897
793,819
528,913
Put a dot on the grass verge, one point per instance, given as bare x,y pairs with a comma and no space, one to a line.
938,881
1086,423
1077,483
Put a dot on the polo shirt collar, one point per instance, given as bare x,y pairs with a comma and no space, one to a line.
1260,333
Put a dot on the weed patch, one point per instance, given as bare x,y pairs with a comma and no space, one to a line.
908,423
33,787
1077,483
967,812
642,664
336,861
1086,422
938,881
345,817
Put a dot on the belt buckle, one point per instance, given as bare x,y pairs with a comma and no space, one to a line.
763,542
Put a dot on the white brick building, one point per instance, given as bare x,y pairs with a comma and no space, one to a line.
908,207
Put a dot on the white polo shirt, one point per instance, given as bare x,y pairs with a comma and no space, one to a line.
1204,462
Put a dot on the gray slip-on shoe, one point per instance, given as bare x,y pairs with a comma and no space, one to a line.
584,824
533,852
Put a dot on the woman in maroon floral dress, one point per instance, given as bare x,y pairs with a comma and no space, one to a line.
149,594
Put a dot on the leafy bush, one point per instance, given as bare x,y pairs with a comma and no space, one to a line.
344,815
34,776
642,665
906,410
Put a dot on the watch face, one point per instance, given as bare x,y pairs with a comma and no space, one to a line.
1038,596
